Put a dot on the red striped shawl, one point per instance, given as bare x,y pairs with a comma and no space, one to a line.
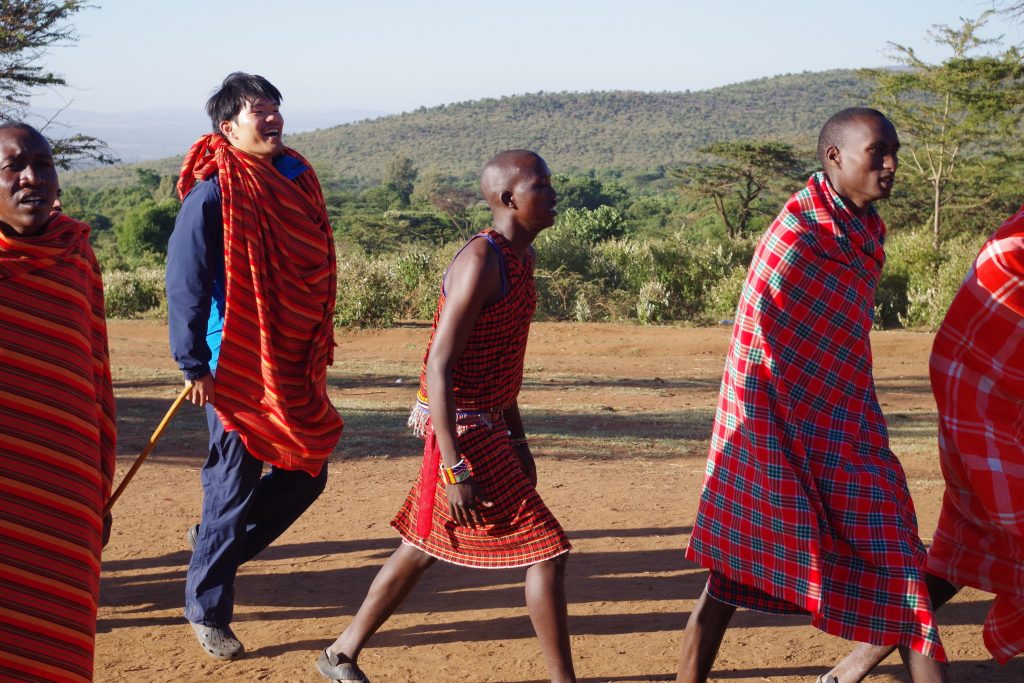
57,440
278,339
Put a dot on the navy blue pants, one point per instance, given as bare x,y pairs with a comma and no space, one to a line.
243,512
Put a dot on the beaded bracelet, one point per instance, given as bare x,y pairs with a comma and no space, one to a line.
519,441
457,474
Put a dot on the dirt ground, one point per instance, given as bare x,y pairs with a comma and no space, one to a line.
619,419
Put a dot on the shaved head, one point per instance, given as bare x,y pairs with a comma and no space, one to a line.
19,126
833,133
503,171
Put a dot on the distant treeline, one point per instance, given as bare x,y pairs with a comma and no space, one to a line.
661,199
630,133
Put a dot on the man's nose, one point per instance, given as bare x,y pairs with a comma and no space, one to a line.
29,176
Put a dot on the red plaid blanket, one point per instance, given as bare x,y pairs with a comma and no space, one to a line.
803,500
977,372
278,320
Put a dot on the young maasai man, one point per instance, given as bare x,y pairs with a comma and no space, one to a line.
56,423
474,502
250,296
804,508
977,373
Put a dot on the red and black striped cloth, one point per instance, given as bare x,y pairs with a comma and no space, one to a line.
57,440
519,529
804,507
977,373
278,339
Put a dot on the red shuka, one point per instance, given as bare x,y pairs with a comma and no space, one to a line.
57,439
977,373
804,503
279,311
519,529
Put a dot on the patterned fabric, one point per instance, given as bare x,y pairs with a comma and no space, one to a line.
279,311
520,530
803,500
731,592
57,438
977,373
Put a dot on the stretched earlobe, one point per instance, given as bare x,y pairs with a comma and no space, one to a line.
506,200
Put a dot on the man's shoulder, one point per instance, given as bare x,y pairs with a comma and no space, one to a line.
206,191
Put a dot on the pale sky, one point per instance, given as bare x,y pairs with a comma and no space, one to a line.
397,55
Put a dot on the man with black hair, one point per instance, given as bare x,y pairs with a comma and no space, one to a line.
251,286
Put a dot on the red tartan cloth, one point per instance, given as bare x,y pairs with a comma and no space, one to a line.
977,373
277,342
520,530
803,500
57,440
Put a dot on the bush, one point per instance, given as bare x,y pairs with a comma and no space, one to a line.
420,274
652,303
723,297
918,282
369,292
146,228
929,294
133,293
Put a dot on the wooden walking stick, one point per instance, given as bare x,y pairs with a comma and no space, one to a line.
149,447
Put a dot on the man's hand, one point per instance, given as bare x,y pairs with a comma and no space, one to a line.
465,501
202,390
526,460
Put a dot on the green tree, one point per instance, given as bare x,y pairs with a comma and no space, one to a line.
591,227
585,192
742,172
952,117
27,29
146,229
400,177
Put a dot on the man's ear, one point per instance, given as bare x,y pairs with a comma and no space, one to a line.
506,199
227,128
832,154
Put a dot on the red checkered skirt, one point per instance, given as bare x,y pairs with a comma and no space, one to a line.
977,372
519,529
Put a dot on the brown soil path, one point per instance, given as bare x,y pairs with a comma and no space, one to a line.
619,417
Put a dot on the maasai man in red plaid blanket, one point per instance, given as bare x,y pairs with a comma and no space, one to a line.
475,503
57,431
805,509
250,304
977,374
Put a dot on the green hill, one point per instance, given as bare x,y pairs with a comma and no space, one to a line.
623,130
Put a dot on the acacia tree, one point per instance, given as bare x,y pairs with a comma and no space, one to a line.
952,117
744,170
27,29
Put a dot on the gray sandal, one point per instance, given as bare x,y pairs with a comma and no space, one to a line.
219,642
340,669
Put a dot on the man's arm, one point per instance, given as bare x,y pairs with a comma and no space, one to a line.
472,282
189,283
